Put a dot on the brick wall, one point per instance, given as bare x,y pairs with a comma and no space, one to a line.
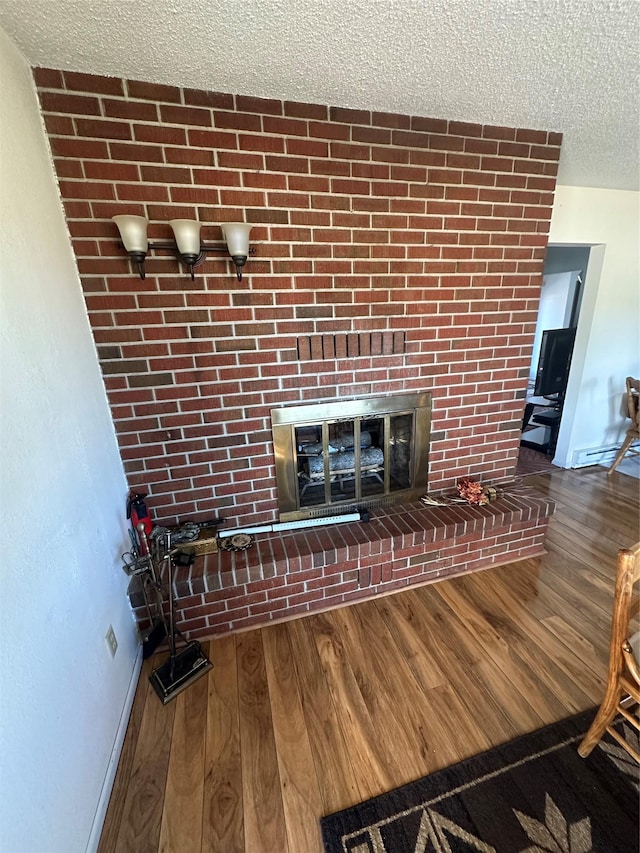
365,224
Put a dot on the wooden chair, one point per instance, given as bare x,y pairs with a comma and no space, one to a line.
623,681
633,412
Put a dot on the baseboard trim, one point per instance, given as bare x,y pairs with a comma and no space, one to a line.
110,775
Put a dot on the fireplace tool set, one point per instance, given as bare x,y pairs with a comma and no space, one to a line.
146,560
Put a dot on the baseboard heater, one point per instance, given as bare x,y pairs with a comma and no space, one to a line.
594,456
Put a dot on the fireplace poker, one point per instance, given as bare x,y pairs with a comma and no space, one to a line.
158,630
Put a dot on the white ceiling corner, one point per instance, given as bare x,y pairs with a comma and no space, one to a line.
563,65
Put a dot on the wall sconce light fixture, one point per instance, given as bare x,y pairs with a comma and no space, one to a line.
187,246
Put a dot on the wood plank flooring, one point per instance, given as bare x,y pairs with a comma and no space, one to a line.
304,718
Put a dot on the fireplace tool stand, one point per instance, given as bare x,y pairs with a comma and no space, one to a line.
183,666
140,562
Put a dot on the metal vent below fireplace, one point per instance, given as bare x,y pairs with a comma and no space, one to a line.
364,453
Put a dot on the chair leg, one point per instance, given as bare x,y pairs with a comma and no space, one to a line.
603,718
620,455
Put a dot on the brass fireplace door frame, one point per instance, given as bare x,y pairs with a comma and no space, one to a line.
285,420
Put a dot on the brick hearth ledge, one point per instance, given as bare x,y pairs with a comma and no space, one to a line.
291,573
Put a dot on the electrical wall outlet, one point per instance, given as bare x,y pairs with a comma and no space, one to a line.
112,643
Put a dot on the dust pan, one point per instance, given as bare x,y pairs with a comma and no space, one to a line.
179,671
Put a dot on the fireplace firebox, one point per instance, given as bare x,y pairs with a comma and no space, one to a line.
366,453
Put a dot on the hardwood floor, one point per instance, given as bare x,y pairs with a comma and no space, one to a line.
304,718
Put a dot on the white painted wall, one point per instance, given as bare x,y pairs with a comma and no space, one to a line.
62,501
607,345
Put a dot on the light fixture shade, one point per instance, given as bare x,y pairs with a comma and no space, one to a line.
187,234
133,233
237,236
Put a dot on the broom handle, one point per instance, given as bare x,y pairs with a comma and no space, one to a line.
172,631
156,582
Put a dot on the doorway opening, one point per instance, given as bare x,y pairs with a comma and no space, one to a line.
564,274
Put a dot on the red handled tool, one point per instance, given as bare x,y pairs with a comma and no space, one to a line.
139,514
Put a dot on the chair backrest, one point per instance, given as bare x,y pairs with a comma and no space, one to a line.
633,399
626,606
623,679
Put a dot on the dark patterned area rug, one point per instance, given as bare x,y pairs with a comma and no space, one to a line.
533,795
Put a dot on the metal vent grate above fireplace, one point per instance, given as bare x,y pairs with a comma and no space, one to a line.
365,453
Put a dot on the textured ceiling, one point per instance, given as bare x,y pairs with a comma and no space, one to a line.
567,65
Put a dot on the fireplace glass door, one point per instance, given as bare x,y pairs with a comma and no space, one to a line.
328,460
343,461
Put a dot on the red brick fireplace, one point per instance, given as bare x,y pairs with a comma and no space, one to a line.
394,254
